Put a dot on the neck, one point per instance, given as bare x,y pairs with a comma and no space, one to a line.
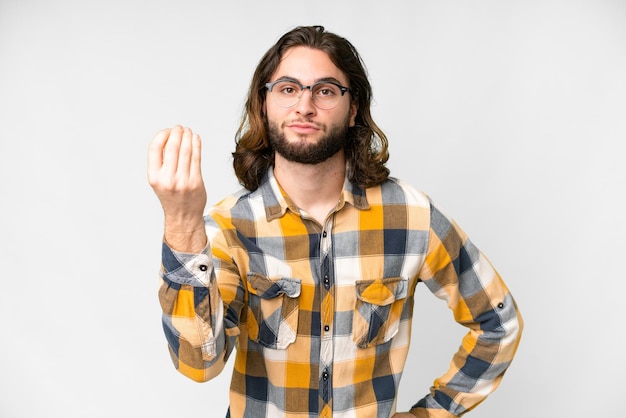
314,188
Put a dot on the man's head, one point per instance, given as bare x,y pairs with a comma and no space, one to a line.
348,125
308,107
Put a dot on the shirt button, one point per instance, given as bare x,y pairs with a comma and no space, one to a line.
203,267
326,328
324,234
500,305
325,376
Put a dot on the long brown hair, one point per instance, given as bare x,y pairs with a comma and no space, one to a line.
367,149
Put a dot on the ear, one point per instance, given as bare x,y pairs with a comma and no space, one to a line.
354,108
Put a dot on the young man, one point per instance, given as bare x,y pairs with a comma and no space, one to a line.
309,272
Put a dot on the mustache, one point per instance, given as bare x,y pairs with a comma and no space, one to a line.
300,120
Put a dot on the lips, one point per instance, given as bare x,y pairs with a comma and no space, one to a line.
303,127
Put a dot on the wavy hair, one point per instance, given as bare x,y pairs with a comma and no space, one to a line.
367,147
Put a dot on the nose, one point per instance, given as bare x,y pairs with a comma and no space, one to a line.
305,104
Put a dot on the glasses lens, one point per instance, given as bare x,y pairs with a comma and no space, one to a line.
326,95
286,93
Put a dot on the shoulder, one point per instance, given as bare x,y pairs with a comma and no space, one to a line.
230,201
236,205
397,191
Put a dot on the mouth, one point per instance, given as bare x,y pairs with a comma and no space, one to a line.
303,127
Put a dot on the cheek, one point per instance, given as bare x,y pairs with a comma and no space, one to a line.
271,111
270,115
277,115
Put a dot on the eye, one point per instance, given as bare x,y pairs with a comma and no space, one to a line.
287,89
326,90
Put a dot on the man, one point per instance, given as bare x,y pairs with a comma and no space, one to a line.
309,272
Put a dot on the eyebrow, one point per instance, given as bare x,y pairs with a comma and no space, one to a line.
319,80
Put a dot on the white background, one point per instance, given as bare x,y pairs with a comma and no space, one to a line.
510,114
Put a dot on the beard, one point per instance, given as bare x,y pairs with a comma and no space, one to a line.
303,152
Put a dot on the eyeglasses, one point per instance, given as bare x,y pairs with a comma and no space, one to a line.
287,92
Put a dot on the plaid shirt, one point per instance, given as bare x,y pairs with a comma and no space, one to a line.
320,315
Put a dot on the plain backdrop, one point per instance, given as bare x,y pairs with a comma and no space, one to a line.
510,114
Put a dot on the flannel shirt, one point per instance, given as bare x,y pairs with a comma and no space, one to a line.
320,315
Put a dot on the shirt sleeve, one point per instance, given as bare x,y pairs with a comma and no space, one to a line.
457,272
199,332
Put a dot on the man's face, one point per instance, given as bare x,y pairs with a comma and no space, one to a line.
305,133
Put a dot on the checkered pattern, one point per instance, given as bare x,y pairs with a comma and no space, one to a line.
320,315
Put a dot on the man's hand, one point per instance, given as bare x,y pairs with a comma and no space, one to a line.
174,172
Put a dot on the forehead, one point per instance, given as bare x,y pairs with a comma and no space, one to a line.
307,65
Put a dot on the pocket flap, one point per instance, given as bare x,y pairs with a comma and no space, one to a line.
265,288
382,292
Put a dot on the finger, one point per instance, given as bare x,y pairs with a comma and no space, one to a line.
196,156
184,154
172,148
155,151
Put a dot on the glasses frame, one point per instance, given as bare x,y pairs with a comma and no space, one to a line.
343,89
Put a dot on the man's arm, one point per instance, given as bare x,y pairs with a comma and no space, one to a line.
457,272
193,313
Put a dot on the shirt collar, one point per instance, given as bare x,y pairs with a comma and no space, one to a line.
277,202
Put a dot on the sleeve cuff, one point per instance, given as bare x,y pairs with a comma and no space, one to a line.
187,268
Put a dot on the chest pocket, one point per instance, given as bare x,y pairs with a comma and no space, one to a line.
273,310
377,311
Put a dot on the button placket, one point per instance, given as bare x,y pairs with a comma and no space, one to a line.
327,312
